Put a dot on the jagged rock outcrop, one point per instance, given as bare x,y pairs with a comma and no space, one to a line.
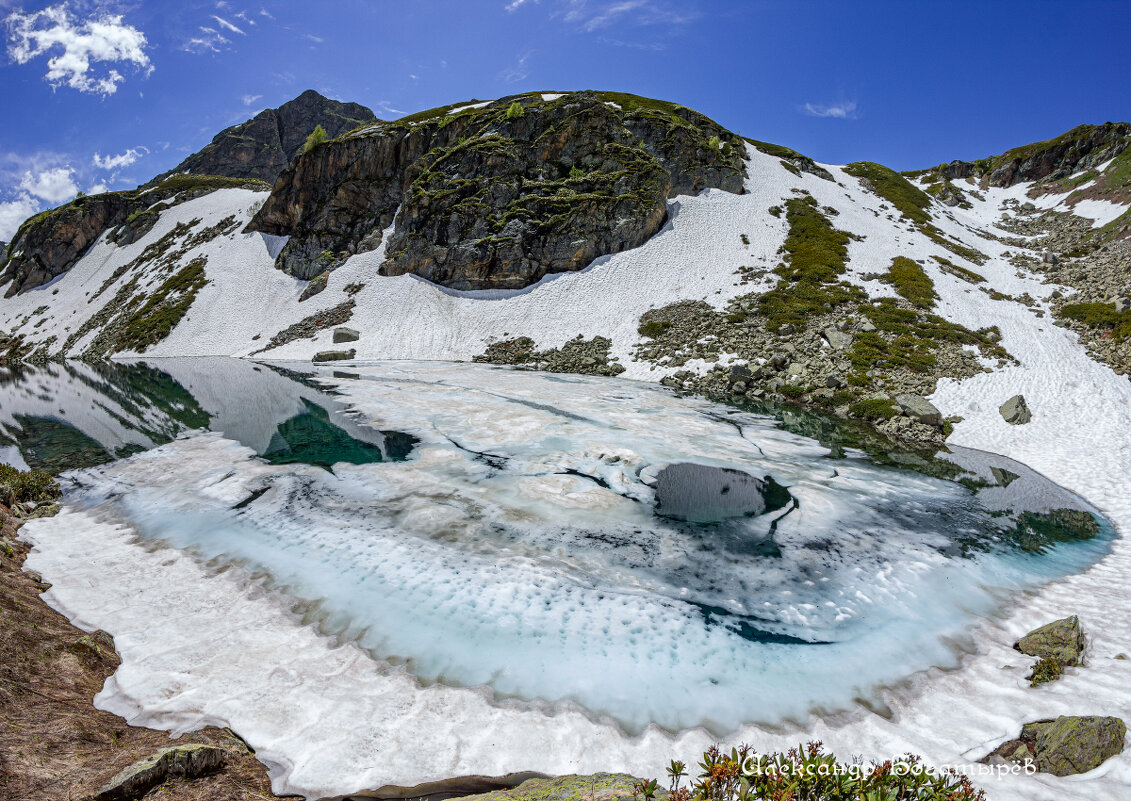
49,244
1066,746
263,146
1082,147
501,195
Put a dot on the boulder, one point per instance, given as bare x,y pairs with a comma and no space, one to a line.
1122,304
839,340
316,285
334,355
180,762
1071,745
595,787
344,334
1015,411
1062,640
919,408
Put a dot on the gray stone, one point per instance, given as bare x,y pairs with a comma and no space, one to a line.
1015,411
834,381
334,355
867,327
919,408
1062,640
316,285
182,761
1071,745
345,335
1050,258
839,340
1122,304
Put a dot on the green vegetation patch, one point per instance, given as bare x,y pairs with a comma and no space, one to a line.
947,266
873,409
911,282
1046,670
909,338
809,773
166,306
816,254
27,485
1100,315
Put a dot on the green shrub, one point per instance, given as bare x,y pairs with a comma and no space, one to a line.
911,282
515,110
1046,670
316,137
576,172
714,143
792,390
810,774
873,409
775,211
653,328
29,485
1100,315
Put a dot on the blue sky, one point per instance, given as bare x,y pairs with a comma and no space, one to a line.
101,94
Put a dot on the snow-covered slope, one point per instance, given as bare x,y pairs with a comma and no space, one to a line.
695,256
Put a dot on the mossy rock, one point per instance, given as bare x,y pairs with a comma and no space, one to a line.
594,787
1070,745
1062,640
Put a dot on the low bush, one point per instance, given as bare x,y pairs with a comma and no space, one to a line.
810,774
28,485
873,409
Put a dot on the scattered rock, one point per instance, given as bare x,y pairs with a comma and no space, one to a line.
180,762
1050,258
345,335
1122,304
334,355
1015,411
1062,640
919,408
839,340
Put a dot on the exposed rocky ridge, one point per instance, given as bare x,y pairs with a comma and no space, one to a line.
1083,147
263,146
498,196
49,244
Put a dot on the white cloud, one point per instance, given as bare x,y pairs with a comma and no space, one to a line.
383,107
98,188
845,110
76,46
265,13
54,185
516,4
517,71
14,212
119,161
210,41
312,38
591,16
249,99
223,23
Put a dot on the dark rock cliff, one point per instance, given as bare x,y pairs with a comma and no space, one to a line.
263,146
1083,147
501,195
49,244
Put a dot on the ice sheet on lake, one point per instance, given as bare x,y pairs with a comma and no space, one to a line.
515,557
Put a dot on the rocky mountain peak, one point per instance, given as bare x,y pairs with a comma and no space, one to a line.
262,147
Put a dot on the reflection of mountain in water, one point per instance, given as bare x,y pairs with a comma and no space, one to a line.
63,416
